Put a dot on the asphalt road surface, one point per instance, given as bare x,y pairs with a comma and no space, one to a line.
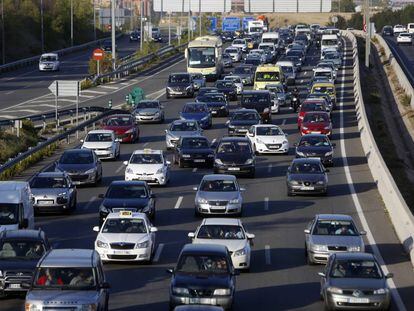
279,278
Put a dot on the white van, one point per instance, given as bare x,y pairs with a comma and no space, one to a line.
410,28
271,37
330,42
16,206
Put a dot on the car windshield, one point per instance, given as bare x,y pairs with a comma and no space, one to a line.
332,56
232,51
12,249
224,84
99,137
240,41
243,70
221,232
335,227
226,56
315,141
327,74
76,158
218,185
312,107
234,147
364,269
195,263
48,182
197,76
126,192
147,104
268,131
245,116
179,79
256,98
124,225
146,158
294,53
287,69
9,213
208,98
267,76
233,79
195,143
65,278
323,89
184,127
195,108
119,121
315,118
48,59
306,168
253,61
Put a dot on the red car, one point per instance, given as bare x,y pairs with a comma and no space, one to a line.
124,126
309,105
316,122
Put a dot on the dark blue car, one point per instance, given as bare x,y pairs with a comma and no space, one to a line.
198,112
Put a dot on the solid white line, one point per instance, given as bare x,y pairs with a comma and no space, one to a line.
158,252
93,92
87,205
119,168
214,140
266,203
177,205
269,168
267,255
108,87
305,73
396,296
194,170
146,144
9,92
284,122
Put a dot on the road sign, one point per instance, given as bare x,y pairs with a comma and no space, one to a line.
334,19
65,88
213,23
98,54
230,24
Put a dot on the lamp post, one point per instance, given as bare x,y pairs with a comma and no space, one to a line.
169,28
3,34
94,21
42,40
71,22
113,34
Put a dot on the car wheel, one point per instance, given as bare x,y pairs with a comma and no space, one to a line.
289,193
180,164
196,212
74,205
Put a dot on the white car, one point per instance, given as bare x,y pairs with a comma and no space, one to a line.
324,72
49,62
240,43
148,165
237,82
126,236
268,138
235,53
228,232
259,52
405,38
103,142
275,108
399,29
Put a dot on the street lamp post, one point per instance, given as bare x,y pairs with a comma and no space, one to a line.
3,34
94,21
141,10
42,40
71,22
169,28
199,14
113,34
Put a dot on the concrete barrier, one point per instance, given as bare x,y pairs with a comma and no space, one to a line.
400,215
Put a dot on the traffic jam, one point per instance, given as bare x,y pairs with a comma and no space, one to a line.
235,84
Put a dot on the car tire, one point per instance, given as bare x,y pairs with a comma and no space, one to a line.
180,164
289,193
196,213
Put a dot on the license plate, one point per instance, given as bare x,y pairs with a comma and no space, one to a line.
16,286
122,252
202,301
307,188
75,182
45,202
315,132
273,146
242,131
213,112
199,160
234,168
358,300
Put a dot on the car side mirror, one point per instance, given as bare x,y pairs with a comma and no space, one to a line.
321,274
125,163
307,231
154,229
251,134
101,196
362,233
250,236
170,271
96,228
191,235
389,275
105,285
82,141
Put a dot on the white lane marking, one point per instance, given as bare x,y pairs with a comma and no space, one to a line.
87,96
9,92
301,81
194,170
146,144
124,83
266,203
89,203
177,205
120,168
396,296
93,92
108,87
158,252
214,140
267,255
284,121
269,167
7,116
305,73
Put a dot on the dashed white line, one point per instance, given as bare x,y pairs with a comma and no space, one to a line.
194,170
266,203
214,140
119,168
267,255
269,167
179,200
9,92
284,122
89,203
146,144
108,87
158,252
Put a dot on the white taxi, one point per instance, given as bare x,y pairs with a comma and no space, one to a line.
268,138
228,232
103,142
148,165
126,236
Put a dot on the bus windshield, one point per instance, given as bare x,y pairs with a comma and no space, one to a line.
201,57
267,76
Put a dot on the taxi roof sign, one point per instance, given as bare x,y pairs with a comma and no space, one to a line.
125,213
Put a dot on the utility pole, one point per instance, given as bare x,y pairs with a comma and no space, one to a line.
189,20
131,12
141,36
113,34
169,28
3,34
42,40
199,14
71,22
94,21
368,34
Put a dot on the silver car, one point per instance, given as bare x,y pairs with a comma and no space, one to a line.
198,80
235,53
148,111
181,128
218,195
354,281
331,233
53,192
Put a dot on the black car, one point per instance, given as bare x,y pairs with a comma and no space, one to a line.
20,250
208,89
294,59
228,36
246,73
234,155
134,196
107,46
387,30
193,151
228,88
254,60
134,36
241,120
216,102
316,146
204,275
82,165
298,54
180,84
260,101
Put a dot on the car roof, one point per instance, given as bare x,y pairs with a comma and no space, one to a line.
69,258
101,132
234,138
265,125
119,115
323,84
127,183
221,221
179,121
255,92
135,215
50,174
334,217
204,249
49,54
78,151
306,160
147,151
22,234
219,176
354,256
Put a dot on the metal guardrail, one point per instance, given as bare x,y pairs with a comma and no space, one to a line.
35,59
57,138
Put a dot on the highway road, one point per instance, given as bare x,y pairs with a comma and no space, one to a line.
404,55
279,278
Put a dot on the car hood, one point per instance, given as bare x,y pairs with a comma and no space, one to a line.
226,89
145,168
197,151
47,191
319,125
232,245
307,177
147,111
123,237
118,129
201,280
96,145
215,104
62,297
193,116
125,203
178,134
235,158
181,85
243,122
339,240
272,139
317,150
75,167
218,196
18,265
357,283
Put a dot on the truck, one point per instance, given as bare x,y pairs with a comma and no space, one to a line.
255,27
204,55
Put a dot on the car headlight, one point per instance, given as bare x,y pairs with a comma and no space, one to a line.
144,244
109,149
130,131
284,142
157,114
320,248
159,171
231,126
1,273
301,117
202,201
188,87
169,88
334,290
63,194
381,291
222,292
102,244
294,182
354,248
180,291
259,141
89,307
186,156
329,153
320,182
327,127
249,161
240,252
304,128
129,171
300,153
218,161
234,201
32,307
91,171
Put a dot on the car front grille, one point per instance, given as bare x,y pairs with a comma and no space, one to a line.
17,276
364,292
122,257
122,245
79,177
337,248
201,292
218,203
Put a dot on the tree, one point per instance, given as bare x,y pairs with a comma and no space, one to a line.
343,6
